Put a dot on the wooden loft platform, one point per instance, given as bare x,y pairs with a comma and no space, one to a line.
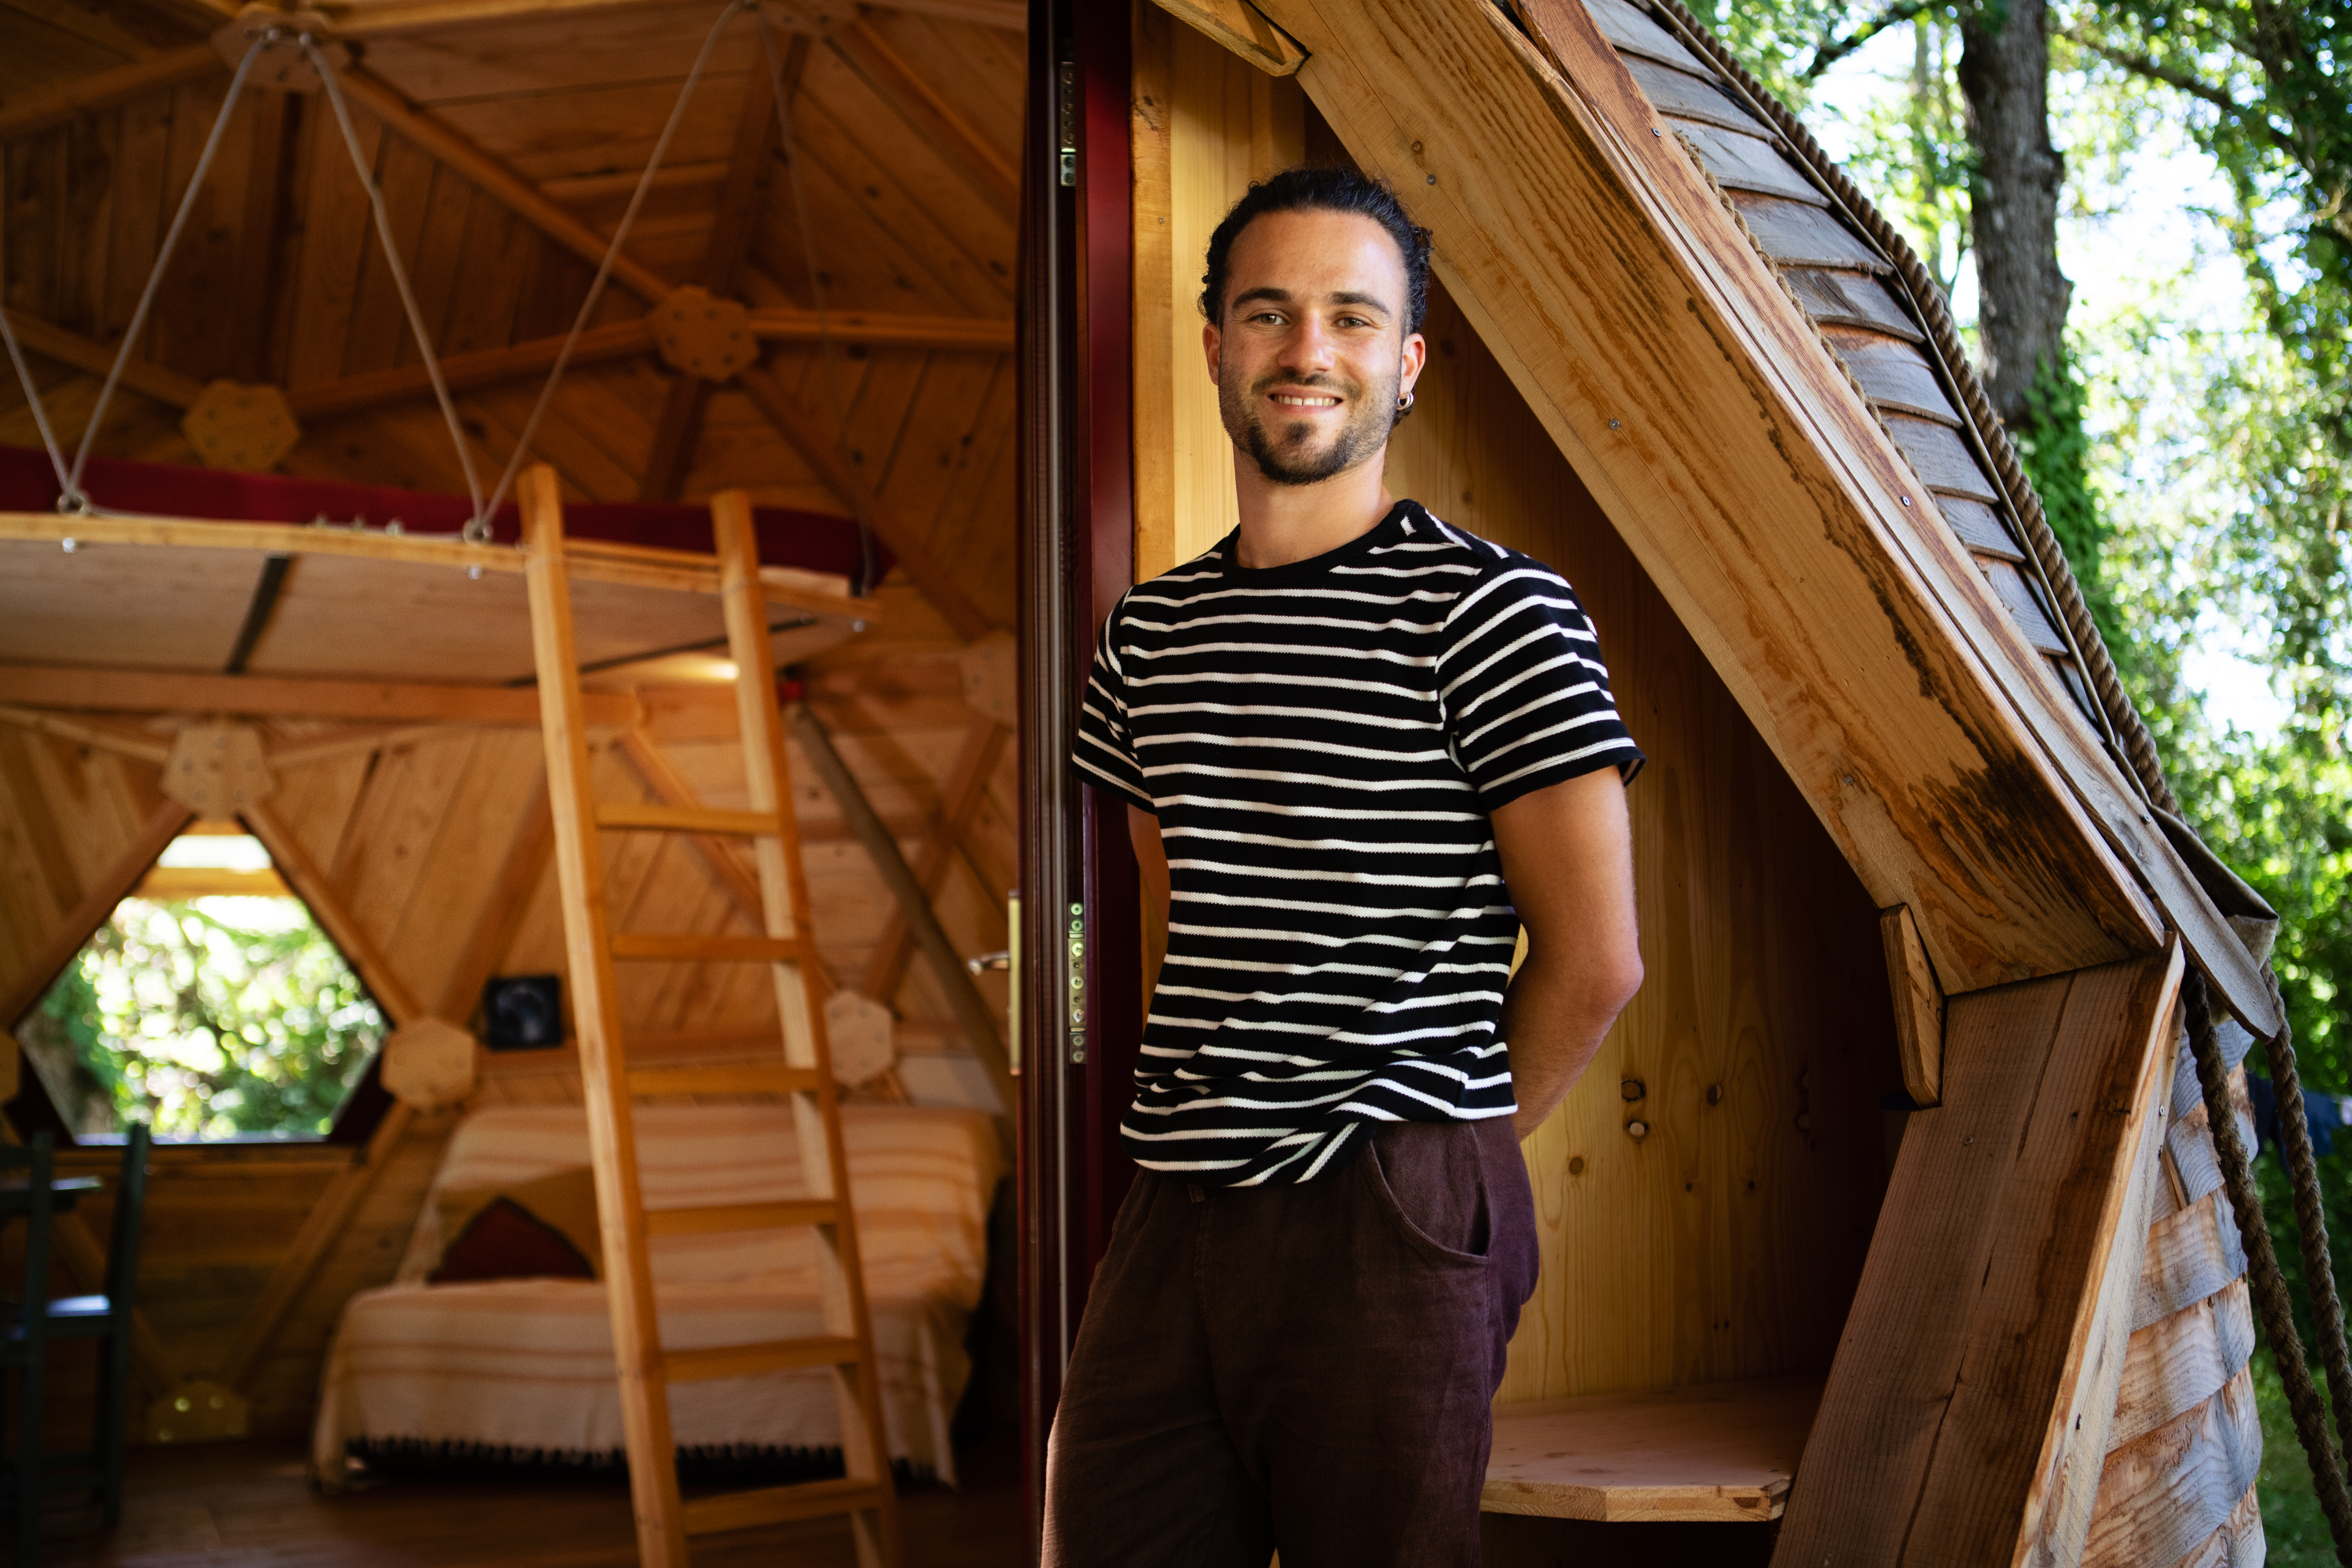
166,596
1719,1452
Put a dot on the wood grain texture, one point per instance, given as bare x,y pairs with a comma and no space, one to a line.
1529,176
104,90
1918,1006
580,876
1726,1244
1241,27
2178,1362
38,954
945,832
1721,1451
1995,1297
2193,1252
2171,1492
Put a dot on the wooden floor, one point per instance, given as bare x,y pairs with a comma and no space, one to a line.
252,1503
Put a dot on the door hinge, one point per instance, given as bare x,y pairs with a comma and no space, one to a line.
1069,119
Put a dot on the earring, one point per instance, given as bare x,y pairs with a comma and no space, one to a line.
1404,403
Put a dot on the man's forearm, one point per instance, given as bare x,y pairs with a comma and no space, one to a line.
1554,1020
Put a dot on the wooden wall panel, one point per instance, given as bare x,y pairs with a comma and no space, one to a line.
1726,1243
66,815
1225,125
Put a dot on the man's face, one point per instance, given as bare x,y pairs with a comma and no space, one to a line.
1312,354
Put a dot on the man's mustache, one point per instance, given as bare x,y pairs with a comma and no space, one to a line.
1317,382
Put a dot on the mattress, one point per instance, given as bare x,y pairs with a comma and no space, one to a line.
522,1369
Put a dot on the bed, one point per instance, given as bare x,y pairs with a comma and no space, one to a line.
521,1370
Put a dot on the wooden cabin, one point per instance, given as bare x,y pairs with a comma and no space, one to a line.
1886,1226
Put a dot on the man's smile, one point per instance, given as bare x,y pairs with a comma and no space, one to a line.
1305,400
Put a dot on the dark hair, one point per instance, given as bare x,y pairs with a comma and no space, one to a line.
1323,190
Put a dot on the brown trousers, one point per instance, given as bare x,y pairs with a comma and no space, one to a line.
1303,1367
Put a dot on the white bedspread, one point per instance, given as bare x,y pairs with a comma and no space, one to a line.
526,1365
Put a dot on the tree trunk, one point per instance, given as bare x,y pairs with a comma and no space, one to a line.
2013,197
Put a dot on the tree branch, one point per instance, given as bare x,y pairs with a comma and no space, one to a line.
2155,70
1832,49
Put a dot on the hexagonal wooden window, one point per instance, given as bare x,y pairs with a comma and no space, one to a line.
210,1005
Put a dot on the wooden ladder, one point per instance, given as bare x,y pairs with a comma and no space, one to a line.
805,1075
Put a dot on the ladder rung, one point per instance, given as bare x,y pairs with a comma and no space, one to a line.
749,1361
654,818
741,1216
693,949
739,1078
781,1505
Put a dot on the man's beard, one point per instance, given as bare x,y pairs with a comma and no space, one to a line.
1284,454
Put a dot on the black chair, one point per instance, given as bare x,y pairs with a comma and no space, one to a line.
25,1344
105,1317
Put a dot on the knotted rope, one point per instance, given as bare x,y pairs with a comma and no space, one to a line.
2136,748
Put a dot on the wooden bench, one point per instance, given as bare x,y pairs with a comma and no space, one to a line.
1715,1452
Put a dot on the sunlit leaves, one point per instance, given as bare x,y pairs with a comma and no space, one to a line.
217,1017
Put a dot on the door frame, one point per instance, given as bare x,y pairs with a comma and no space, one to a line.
1081,1007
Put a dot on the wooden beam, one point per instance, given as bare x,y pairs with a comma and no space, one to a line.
618,339
820,593
389,17
1966,1411
262,696
966,786
112,886
522,197
980,1023
98,737
156,73
1918,1005
309,880
679,427
1693,397
1243,28
484,367
736,218
986,334
906,540
322,1229
170,882
83,353
389,738
927,112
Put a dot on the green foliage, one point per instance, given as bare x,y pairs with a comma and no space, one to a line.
2295,1530
2056,450
208,1028
2267,91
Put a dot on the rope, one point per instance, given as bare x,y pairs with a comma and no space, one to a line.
325,66
32,395
2310,1218
2268,1289
827,348
2127,731
2129,735
70,498
479,528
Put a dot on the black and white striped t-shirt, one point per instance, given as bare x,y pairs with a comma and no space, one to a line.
1321,742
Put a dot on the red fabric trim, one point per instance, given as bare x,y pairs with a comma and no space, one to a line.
814,541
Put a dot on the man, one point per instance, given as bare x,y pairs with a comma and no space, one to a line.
1361,749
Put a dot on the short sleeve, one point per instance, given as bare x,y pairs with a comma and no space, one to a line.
1527,698
1104,752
